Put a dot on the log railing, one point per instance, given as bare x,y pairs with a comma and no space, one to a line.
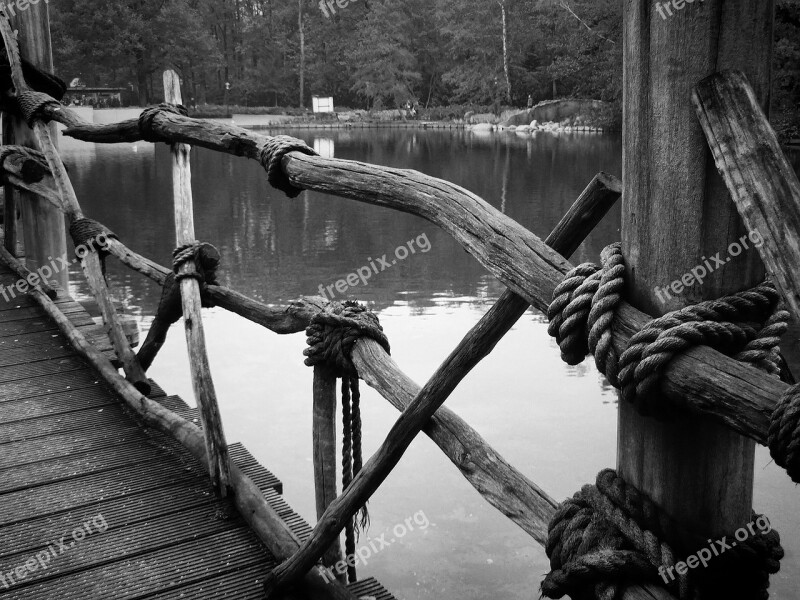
704,380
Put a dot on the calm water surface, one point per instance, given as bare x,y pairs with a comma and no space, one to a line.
556,423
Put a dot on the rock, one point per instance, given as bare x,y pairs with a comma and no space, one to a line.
523,128
468,116
534,124
482,127
511,128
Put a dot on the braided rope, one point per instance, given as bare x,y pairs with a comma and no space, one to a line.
347,472
150,113
206,258
271,154
784,432
85,232
610,532
32,103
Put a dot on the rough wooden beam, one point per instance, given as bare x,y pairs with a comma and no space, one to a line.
202,381
760,179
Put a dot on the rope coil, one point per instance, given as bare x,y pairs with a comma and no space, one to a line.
271,154
150,113
784,433
86,232
610,534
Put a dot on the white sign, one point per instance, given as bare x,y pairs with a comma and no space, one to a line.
322,104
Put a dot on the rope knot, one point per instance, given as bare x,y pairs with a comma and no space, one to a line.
333,332
150,113
746,325
206,260
610,534
90,234
784,432
270,156
32,104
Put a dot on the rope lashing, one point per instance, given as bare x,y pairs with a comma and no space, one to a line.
610,534
206,258
331,336
150,113
87,234
271,154
32,103
784,433
746,325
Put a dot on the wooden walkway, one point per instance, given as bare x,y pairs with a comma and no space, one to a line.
136,512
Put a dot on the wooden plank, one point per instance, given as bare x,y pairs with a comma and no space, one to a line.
202,382
16,411
48,385
698,471
62,496
106,417
74,467
27,536
165,569
760,179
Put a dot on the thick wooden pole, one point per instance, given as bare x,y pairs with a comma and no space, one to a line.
324,436
202,383
677,213
43,224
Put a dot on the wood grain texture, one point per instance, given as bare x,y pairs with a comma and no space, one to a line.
43,226
677,212
762,183
69,202
323,433
202,381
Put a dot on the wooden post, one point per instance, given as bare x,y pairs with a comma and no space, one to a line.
43,225
677,212
324,436
203,384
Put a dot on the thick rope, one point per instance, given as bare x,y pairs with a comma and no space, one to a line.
746,325
784,433
32,103
331,336
271,155
86,232
206,258
150,113
610,534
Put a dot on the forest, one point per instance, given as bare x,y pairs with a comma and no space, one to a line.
368,53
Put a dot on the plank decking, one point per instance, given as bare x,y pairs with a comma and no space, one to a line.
111,509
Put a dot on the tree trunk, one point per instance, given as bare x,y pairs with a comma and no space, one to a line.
302,51
502,4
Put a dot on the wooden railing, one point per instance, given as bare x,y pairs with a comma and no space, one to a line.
706,381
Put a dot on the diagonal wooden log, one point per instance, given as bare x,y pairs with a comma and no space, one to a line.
475,346
202,382
91,260
760,179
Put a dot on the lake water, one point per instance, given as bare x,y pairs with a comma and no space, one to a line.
556,423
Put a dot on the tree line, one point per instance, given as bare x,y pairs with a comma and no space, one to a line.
366,53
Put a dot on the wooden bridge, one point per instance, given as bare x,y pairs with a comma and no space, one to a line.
159,505
71,453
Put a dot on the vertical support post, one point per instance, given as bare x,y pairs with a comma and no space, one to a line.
43,224
10,230
677,213
324,436
202,383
